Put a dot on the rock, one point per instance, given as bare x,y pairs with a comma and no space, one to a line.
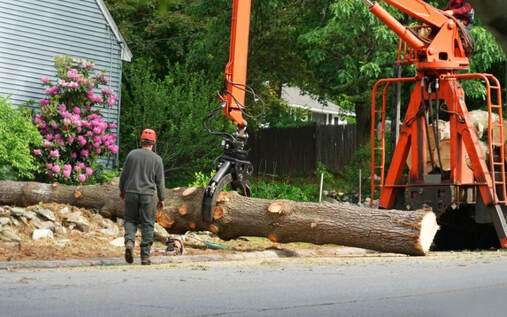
15,222
80,221
23,220
42,234
48,225
64,210
36,222
59,229
97,218
103,222
45,213
160,233
108,223
331,200
30,214
119,222
118,242
113,231
75,232
4,221
15,211
61,243
5,211
9,236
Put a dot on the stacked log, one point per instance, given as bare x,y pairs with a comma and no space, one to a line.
480,123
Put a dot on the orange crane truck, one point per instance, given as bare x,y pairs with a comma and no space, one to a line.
438,57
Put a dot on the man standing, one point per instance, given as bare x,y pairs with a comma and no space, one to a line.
142,175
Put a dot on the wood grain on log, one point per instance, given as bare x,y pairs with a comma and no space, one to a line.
409,232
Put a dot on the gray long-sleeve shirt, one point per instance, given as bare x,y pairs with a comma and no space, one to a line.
143,173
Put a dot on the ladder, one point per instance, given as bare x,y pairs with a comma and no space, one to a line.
378,125
378,150
497,162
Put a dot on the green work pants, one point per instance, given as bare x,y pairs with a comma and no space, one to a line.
140,209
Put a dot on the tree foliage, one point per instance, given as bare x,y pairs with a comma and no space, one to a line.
17,135
175,106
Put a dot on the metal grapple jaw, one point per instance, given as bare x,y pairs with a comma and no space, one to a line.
232,169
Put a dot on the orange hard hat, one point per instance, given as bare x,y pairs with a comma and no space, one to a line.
149,134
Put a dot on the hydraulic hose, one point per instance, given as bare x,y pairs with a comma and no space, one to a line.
437,134
425,114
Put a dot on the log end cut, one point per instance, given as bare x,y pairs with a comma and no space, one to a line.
183,210
276,207
429,228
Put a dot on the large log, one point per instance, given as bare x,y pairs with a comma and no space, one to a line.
409,232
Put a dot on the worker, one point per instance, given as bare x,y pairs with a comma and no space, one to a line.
142,176
462,11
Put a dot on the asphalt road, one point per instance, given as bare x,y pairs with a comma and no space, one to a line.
445,285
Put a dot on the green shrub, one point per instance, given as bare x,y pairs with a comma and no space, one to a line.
201,179
17,135
300,192
103,175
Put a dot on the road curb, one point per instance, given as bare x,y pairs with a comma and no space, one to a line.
268,254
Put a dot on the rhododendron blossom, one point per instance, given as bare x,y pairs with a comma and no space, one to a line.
81,178
66,173
75,134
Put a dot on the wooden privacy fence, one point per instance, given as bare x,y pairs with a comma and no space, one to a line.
296,151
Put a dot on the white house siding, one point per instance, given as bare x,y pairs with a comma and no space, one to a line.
33,32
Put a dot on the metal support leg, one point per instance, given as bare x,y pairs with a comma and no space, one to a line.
498,219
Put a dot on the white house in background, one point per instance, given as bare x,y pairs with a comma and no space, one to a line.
322,113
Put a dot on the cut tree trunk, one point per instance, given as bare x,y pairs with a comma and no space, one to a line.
409,232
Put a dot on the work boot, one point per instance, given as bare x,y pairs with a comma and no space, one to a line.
145,261
129,249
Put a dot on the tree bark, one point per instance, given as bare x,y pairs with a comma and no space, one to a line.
409,232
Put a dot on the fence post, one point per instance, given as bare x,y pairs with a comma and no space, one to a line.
321,185
360,183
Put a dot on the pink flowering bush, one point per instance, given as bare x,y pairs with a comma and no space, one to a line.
74,134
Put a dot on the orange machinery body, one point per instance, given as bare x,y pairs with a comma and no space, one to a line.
236,68
438,58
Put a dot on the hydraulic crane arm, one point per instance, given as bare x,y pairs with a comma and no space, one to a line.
448,45
421,11
235,72
232,166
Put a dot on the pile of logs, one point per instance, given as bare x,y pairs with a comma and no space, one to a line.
480,122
